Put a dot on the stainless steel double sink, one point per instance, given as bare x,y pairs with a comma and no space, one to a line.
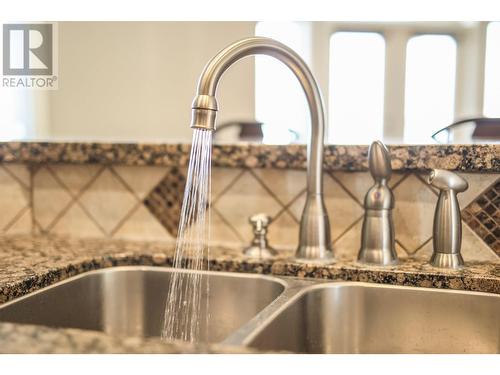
274,313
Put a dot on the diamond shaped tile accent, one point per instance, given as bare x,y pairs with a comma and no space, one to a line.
483,216
14,198
165,200
50,198
342,209
243,199
413,213
107,201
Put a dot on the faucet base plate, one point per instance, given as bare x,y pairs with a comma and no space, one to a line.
443,260
314,255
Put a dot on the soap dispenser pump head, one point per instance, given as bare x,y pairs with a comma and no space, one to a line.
379,161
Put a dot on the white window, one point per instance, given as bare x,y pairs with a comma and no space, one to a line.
492,71
397,81
356,100
279,100
429,86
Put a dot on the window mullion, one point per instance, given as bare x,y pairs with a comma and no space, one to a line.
395,65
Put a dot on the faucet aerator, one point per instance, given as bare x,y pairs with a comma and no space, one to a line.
204,112
203,118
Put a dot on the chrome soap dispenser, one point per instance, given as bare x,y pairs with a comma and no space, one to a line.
377,235
447,228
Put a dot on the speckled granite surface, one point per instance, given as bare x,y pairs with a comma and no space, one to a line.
353,158
29,339
30,263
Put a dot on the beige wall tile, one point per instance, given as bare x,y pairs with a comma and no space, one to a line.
75,177
402,254
108,201
141,225
21,172
357,183
23,223
222,234
75,222
14,197
347,246
285,184
141,179
222,178
413,213
284,232
50,198
245,198
342,209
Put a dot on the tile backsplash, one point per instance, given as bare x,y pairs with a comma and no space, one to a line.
143,202
15,199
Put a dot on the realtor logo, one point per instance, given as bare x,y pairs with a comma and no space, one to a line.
29,56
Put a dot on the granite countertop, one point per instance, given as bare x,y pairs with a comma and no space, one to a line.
471,158
30,339
29,263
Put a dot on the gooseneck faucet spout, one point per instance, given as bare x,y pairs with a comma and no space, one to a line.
314,236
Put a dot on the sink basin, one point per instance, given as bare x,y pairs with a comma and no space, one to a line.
370,318
274,313
130,301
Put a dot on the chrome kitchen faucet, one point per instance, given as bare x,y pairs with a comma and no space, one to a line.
314,236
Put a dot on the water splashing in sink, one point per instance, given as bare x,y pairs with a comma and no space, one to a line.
184,300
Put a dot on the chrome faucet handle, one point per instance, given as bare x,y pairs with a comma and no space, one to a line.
447,228
259,248
377,234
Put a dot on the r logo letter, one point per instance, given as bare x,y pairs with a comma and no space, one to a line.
27,49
